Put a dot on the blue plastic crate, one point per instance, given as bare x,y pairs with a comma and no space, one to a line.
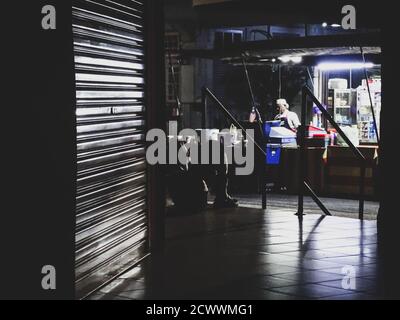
273,154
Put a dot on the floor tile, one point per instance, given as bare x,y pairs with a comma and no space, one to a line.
254,254
312,291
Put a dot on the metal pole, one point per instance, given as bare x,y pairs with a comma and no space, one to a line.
232,118
351,78
174,84
316,199
309,75
280,82
326,114
263,190
302,164
204,106
353,148
253,100
370,97
208,94
362,190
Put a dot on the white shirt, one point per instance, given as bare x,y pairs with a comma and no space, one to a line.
292,119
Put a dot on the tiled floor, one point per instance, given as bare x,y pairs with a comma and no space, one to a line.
338,207
254,254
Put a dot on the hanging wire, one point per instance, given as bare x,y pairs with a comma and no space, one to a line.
309,74
258,115
253,100
280,82
174,83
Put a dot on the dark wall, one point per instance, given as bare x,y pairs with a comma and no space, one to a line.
156,118
37,225
389,215
38,184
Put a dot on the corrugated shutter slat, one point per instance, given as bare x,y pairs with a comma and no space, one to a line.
111,221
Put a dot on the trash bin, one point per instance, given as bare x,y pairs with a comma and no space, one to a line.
273,154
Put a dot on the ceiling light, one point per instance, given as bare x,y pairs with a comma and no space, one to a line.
284,59
325,66
294,59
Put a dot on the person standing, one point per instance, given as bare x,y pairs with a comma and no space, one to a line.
289,118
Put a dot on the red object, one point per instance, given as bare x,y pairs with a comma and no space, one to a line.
313,128
320,135
315,132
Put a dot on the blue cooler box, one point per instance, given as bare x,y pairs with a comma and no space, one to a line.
269,124
273,154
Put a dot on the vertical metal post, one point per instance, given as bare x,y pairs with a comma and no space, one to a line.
302,163
204,106
362,190
370,97
263,187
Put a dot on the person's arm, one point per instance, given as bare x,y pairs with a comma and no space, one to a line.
295,120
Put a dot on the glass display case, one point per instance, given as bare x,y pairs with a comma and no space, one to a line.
342,105
365,119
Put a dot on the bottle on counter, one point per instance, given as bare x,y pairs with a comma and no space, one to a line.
333,138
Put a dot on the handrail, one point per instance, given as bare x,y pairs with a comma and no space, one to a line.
306,92
207,93
303,185
326,114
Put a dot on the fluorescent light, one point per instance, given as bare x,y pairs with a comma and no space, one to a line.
294,59
344,65
284,59
267,60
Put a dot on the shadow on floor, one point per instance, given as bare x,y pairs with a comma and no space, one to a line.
248,253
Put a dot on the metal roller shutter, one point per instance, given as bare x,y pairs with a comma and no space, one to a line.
111,221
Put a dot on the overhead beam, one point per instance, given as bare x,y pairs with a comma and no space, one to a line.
372,39
261,12
312,60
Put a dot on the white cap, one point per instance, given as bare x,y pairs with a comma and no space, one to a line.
282,102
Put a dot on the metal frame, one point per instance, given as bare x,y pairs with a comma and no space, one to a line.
206,93
307,93
303,185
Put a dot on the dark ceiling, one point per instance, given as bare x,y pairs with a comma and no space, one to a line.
261,12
